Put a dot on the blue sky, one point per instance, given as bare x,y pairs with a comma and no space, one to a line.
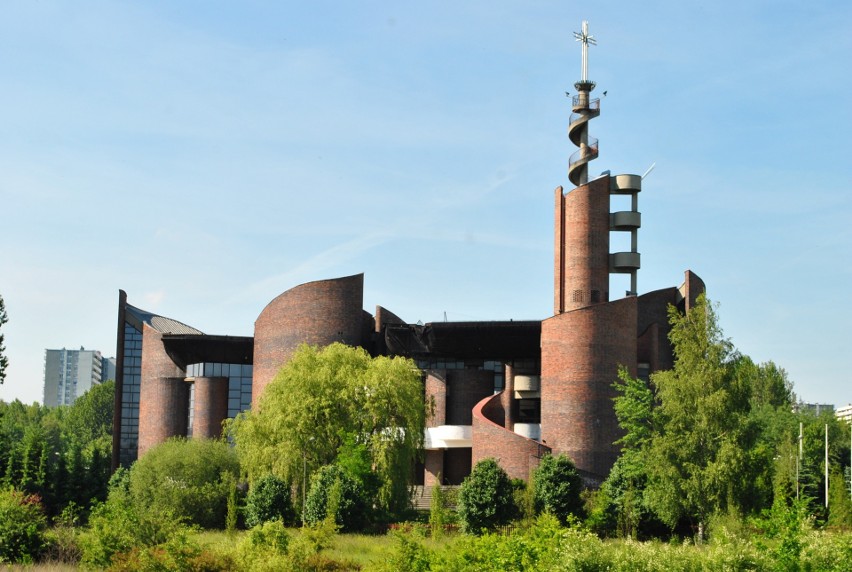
206,156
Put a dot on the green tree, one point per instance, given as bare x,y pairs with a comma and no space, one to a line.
324,398
557,488
22,525
4,361
187,478
89,419
623,505
697,456
339,497
486,498
268,499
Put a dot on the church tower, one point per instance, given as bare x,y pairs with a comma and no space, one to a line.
589,337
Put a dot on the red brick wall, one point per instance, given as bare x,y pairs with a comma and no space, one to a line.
507,397
581,258
456,465
210,407
653,328
694,288
163,394
163,411
516,454
465,388
316,313
434,466
436,391
580,354
385,317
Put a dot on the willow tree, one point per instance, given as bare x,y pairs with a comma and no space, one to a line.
325,399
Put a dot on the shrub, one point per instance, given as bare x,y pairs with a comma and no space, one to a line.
557,488
22,524
438,511
335,493
179,553
118,526
486,498
268,499
188,478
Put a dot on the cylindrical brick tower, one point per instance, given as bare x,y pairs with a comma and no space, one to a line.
163,394
210,407
589,337
316,313
163,411
581,352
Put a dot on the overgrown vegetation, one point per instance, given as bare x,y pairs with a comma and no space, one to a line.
486,499
710,462
187,478
325,400
60,454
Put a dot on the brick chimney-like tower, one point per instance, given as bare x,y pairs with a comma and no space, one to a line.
589,337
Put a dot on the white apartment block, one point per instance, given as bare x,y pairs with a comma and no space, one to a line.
69,374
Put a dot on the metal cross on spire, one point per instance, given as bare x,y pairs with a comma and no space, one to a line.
586,39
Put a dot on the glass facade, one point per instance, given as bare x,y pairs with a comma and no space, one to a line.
132,373
239,383
484,365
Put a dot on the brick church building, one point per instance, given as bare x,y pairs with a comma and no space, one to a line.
511,390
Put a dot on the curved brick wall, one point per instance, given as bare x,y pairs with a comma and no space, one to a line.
385,317
163,411
582,246
516,454
652,327
210,407
316,313
693,287
163,394
580,355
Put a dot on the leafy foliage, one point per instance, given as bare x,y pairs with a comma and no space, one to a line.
486,498
712,435
338,496
22,524
120,525
557,488
4,361
187,478
62,454
325,398
268,499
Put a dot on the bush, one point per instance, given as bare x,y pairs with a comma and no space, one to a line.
486,498
190,479
335,493
557,488
268,499
22,524
119,526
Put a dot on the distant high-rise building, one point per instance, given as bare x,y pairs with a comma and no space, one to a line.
107,368
69,374
844,413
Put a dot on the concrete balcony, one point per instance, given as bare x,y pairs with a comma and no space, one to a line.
527,386
448,437
529,430
625,184
624,261
527,382
625,220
